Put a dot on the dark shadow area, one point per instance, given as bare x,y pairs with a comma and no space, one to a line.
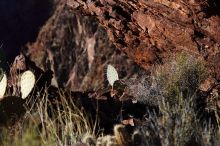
213,8
20,22
11,109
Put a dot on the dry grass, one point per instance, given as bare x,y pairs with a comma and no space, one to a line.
47,123
172,88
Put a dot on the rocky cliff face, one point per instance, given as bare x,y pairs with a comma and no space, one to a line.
150,31
78,43
77,50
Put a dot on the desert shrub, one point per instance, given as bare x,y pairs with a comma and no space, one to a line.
179,122
177,125
184,73
177,83
173,87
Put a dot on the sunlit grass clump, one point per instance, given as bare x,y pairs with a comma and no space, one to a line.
49,123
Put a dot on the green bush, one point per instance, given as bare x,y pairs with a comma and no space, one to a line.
183,74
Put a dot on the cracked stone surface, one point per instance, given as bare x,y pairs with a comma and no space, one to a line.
150,31
77,49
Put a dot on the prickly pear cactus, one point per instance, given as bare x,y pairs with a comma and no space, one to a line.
112,75
27,83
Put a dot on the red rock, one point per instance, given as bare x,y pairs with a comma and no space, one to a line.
208,84
161,28
77,50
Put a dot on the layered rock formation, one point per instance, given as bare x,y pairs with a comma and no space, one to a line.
77,50
150,31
